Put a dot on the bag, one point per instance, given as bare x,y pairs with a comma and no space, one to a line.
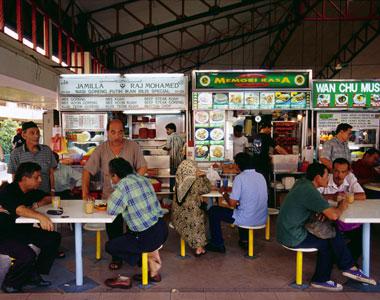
321,229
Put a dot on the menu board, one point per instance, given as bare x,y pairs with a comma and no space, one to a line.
209,135
358,121
252,79
252,100
75,121
346,94
116,92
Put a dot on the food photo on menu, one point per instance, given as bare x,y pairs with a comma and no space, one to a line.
236,100
323,100
341,100
201,134
202,152
201,118
282,99
216,152
359,100
375,100
204,101
216,134
267,100
220,100
298,99
251,100
217,118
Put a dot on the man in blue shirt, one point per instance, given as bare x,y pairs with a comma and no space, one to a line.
249,198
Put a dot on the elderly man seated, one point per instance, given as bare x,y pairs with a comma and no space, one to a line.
135,199
16,199
341,182
249,197
300,204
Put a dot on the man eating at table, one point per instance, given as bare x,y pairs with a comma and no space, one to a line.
18,199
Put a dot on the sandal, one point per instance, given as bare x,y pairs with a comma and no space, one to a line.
115,265
121,282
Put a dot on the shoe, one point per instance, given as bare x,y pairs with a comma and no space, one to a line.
61,254
243,245
199,254
156,278
11,289
115,265
121,282
358,275
37,280
328,285
213,248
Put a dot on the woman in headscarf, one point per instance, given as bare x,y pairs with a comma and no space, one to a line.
188,218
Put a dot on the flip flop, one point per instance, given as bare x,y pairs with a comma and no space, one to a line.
115,265
121,282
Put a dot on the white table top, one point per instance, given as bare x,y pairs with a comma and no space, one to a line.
75,210
367,211
213,194
374,186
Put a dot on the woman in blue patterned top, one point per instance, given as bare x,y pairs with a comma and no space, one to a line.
135,199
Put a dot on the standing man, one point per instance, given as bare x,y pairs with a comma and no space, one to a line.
174,145
240,142
16,199
115,146
337,147
263,146
33,151
300,204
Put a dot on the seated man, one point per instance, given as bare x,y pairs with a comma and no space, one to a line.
364,168
300,204
135,199
15,200
249,197
340,182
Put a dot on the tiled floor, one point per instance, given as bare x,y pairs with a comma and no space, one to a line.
212,276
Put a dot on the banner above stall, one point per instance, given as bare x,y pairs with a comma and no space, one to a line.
341,94
251,89
115,92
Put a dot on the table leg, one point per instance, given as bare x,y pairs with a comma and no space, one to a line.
366,247
78,255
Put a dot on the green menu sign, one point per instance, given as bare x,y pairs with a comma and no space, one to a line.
252,80
346,94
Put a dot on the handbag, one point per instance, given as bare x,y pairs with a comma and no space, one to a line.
321,229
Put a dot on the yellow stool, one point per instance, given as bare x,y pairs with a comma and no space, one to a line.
251,237
144,267
299,260
98,227
271,212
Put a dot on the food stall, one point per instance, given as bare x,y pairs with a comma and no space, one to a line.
222,99
146,102
356,102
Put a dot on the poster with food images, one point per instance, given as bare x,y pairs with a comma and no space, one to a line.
204,101
341,100
220,100
216,152
282,99
202,136
251,100
201,152
201,118
299,99
217,118
236,100
267,100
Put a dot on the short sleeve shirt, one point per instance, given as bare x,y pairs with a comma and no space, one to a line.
334,149
250,189
350,184
239,144
261,145
103,154
44,157
302,201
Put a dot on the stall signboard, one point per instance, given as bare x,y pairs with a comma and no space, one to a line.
251,79
115,92
344,94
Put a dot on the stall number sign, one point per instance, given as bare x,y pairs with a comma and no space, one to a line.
358,121
346,94
114,92
252,80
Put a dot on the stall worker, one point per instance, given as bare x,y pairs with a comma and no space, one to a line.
134,198
18,140
33,151
239,141
364,168
18,199
115,146
263,146
303,201
341,182
249,198
337,147
65,177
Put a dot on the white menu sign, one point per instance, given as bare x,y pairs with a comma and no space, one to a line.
74,121
329,121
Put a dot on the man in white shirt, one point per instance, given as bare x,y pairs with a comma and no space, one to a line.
342,181
240,142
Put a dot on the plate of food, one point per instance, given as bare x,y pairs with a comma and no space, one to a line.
375,100
236,98
297,97
216,151
205,99
220,98
217,116
101,206
252,98
359,99
201,151
217,134
282,97
323,99
267,99
201,134
201,117
341,99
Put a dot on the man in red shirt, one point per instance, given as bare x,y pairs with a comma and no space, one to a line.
364,169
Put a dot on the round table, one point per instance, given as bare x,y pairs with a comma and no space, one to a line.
373,186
